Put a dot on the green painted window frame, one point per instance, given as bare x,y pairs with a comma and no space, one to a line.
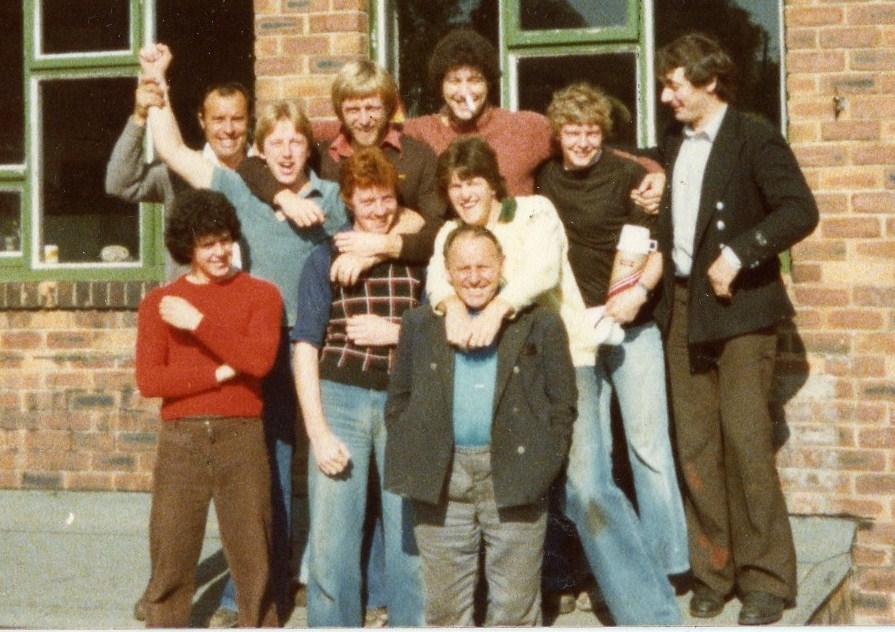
515,36
24,178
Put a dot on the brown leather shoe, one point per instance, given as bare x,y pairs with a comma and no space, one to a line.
760,608
140,610
705,602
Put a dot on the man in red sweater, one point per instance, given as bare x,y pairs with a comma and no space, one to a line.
204,342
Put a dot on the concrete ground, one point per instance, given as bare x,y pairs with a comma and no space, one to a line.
81,559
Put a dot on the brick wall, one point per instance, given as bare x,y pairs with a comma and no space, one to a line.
71,418
70,415
840,458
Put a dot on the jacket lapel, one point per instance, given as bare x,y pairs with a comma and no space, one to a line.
720,167
443,360
512,340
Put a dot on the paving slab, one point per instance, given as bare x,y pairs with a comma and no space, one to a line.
79,560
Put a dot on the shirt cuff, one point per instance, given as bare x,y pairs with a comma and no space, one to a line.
731,257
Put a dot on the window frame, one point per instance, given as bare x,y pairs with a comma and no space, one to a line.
511,26
26,178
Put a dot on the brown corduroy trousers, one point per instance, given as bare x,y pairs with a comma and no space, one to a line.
200,459
737,521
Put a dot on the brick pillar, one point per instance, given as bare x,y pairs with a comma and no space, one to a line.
840,358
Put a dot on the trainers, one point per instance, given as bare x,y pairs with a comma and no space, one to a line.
375,618
224,618
140,610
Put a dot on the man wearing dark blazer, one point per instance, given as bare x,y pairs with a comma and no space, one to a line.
736,199
475,439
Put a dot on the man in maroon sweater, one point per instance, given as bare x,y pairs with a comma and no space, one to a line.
204,343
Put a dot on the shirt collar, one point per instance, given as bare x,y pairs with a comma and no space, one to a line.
314,187
340,148
711,128
210,156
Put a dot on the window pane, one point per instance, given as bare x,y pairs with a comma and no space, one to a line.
748,30
10,222
536,15
77,26
616,73
204,55
421,23
12,101
79,125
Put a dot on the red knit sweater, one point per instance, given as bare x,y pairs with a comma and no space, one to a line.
241,326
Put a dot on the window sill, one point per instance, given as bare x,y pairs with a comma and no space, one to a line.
73,295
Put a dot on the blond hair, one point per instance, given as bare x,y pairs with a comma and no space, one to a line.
277,111
363,78
581,104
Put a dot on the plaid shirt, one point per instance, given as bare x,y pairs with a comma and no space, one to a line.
388,289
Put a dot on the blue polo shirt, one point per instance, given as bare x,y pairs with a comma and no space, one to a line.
275,249
475,378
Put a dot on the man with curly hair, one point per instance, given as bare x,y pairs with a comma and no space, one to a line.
204,344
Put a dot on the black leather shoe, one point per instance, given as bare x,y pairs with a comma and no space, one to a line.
760,608
705,602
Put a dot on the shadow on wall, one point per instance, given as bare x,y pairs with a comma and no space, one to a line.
790,375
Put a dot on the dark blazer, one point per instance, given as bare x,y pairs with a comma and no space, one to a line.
534,407
755,200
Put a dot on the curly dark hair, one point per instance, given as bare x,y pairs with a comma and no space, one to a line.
469,157
465,47
703,59
196,214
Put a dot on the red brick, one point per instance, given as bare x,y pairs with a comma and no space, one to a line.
21,340
849,83
68,379
874,296
813,480
798,85
279,66
877,580
872,107
876,202
890,227
267,47
860,37
855,319
48,440
819,250
305,45
871,59
339,22
97,320
821,155
876,249
850,130
350,5
69,339
803,132
801,38
57,460
831,203
88,481
19,380
94,441
874,14
848,178
876,533
878,390
854,227
305,6
133,482
877,438
279,26
813,16
874,484
114,462
819,296
869,556
806,273
873,154
875,343
813,62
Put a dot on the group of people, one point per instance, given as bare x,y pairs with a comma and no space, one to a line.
430,303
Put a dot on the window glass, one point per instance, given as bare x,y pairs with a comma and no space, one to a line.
535,15
10,222
204,55
748,30
12,95
421,23
77,136
78,26
616,73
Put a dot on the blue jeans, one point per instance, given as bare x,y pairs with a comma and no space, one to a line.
635,586
636,369
280,408
338,506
